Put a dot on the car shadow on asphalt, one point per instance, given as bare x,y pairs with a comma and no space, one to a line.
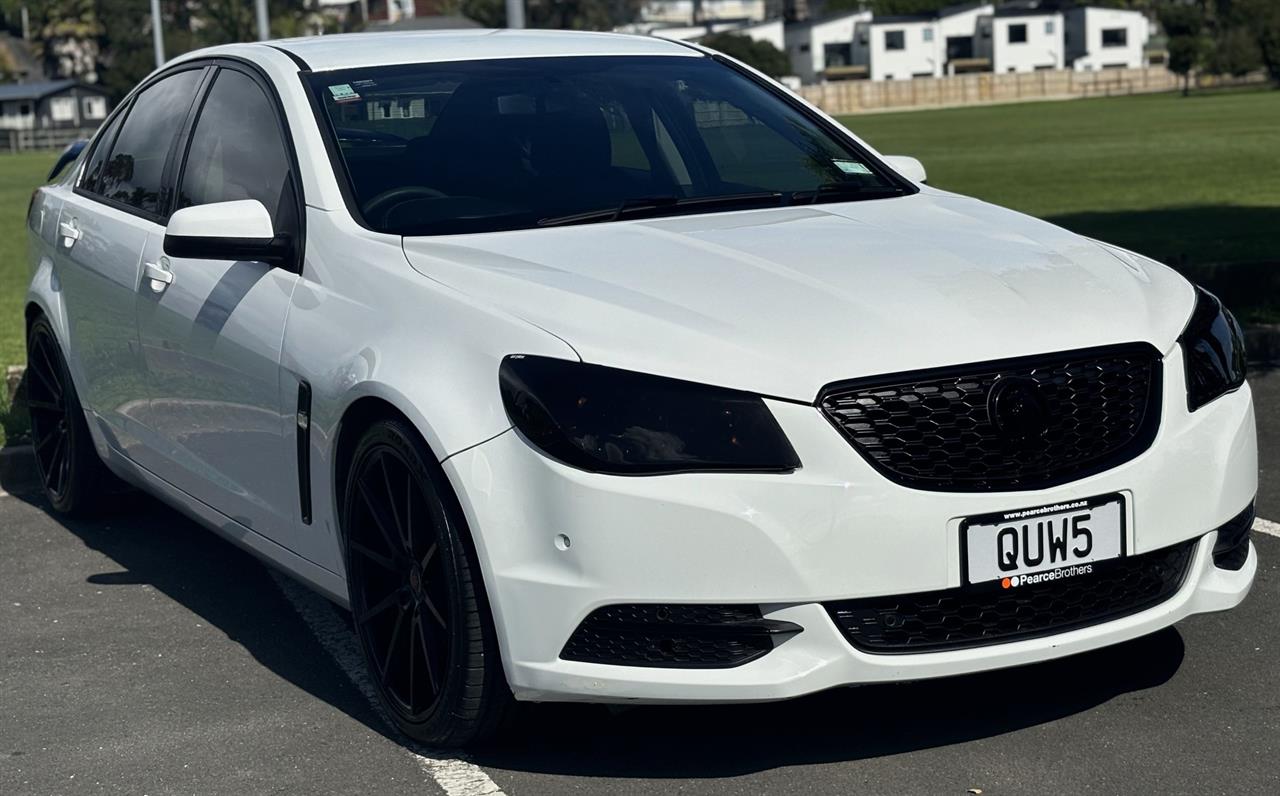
228,588
235,593
839,725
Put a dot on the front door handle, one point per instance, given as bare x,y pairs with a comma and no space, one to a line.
70,232
158,274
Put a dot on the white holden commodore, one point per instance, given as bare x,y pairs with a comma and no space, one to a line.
593,367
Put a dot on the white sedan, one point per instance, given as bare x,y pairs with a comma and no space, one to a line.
594,367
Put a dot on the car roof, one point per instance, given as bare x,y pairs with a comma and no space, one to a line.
344,51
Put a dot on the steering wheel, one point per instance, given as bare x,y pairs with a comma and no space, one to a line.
383,203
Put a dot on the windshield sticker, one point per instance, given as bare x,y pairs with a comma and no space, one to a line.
851,167
362,84
343,93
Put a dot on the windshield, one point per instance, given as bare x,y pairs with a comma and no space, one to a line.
478,146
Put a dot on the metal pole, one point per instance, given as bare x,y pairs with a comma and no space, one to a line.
515,13
264,25
157,37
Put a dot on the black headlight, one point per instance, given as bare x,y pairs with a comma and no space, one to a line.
1213,347
616,421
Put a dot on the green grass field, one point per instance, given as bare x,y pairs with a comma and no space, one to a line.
1193,181
19,176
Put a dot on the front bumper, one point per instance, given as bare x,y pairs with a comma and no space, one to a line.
835,529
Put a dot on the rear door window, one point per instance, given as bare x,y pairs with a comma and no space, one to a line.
134,171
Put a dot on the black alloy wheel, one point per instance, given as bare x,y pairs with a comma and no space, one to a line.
73,477
416,596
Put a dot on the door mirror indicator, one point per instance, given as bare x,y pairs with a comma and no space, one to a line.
239,230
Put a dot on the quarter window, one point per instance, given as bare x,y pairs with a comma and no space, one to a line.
134,171
236,151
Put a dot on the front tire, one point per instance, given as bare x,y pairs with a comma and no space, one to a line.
74,479
417,598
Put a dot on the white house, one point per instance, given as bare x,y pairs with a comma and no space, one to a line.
770,31
52,104
958,28
1106,38
820,44
903,47
681,12
1022,39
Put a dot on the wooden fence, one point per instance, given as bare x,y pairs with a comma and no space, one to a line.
22,140
856,96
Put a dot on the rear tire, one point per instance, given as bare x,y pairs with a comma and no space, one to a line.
73,477
417,598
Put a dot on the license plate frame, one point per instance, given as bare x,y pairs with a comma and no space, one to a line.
1056,510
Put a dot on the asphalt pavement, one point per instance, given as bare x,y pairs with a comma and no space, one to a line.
142,654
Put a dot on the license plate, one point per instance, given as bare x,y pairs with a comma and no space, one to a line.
1024,546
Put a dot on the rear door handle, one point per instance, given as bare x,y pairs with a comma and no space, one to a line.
70,232
158,274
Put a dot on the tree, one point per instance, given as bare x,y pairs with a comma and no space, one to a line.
563,14
67,34
1184,25
125,41
1262,18
1235,52
760,54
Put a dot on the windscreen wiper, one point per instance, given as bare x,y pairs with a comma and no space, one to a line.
844,192
656,204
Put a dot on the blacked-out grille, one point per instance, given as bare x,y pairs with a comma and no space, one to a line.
676,635
990,613
1076,414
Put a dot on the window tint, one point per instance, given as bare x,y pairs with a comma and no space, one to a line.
480,146
133,172
236,150
748,152
93,170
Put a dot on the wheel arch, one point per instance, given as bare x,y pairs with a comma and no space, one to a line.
360,414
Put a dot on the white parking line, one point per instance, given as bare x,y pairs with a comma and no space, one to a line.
455,775
1267,526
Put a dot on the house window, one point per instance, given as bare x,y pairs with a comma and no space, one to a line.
838,54
804,48
24,109
895,40
928,34
95,107
1048,27
1017,34
62,109
1115,37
